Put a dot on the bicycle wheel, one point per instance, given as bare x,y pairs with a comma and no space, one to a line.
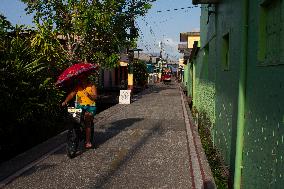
72,142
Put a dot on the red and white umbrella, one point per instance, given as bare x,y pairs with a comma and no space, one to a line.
75,70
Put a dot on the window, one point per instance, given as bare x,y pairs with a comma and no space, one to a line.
225,52
271,36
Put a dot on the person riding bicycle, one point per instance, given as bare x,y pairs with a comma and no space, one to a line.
86,94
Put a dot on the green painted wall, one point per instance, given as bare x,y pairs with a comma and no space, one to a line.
186,76
222,81
204,91
190,82
227,58
264,128
216,73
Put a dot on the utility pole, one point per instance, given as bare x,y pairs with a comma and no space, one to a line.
131,53
161,61
161,50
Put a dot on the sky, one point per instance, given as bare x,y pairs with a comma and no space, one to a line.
162,23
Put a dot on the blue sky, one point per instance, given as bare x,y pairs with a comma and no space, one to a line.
14,11
166,25
158,24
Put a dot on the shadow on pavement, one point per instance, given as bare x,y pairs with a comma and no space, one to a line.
101,137
115,128
106,177
208,185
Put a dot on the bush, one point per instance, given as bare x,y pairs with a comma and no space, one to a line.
29,65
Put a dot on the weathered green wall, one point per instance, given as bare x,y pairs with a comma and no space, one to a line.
224,81
185,75
216,87
190,77
204,91
264,128
227,16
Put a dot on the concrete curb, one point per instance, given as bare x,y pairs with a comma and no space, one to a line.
200,169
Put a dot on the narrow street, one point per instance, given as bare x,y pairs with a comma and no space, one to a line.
141,145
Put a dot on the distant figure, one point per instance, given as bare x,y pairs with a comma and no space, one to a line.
86,94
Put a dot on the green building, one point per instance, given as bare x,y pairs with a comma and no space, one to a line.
237,85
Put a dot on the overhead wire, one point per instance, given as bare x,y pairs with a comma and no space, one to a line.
176,9
161,28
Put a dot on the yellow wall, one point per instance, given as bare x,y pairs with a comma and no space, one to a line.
191,40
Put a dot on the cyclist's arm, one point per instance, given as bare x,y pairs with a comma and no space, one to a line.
69,97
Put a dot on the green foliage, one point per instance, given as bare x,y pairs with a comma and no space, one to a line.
27,85
140,73
5,25
30,62
45,45
95,31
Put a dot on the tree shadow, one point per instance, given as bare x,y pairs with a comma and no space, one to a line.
106,177
101,134
116,127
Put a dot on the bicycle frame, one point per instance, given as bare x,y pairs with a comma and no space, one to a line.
76,132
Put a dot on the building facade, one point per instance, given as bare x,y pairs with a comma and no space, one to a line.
238,88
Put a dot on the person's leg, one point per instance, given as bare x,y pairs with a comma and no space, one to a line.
88,124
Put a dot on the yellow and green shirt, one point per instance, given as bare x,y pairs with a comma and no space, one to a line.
82,97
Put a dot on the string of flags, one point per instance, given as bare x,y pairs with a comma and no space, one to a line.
177,9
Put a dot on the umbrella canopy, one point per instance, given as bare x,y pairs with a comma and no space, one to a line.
74,71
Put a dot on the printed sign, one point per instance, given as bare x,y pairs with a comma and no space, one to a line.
124,97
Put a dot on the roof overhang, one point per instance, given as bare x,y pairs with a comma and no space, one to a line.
184,36
123,60
123,63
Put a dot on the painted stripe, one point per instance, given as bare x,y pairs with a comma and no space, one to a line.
194,157
197,152
190,165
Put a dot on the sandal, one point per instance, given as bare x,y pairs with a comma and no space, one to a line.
88,146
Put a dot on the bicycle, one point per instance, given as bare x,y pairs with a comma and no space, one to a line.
76,132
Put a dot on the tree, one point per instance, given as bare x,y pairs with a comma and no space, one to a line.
5,25
96,30
140,73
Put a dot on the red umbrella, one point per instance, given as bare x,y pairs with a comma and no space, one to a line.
75,70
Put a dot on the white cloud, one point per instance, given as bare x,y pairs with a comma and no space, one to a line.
171,43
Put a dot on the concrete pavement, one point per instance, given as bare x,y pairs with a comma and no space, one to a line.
150,143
